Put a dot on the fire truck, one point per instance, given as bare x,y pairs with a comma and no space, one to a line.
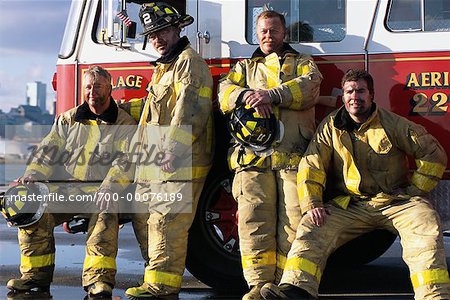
404,44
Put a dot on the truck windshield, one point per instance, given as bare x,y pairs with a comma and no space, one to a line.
72,28
306,20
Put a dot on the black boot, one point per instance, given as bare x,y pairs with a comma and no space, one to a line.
284,291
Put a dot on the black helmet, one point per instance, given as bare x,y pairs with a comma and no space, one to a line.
252,130
24,205
159,15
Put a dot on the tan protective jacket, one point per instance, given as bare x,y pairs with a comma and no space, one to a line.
179,100
82,149
293,82
369,162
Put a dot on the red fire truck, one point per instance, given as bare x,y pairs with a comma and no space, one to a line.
405,44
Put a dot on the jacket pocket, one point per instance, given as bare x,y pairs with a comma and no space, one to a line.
159,96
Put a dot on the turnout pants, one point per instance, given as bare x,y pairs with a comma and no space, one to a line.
172,207
269,214
414,220
37,246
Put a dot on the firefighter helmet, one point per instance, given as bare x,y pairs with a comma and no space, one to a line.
252,130
24,205
159,15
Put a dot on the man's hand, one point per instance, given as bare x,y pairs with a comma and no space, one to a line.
260,101
318,215
167,163
104,201
29,179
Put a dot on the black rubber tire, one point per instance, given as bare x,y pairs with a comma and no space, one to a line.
207,259
363,249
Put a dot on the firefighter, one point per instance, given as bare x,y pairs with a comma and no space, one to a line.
359,153
275,80
72,154
177,120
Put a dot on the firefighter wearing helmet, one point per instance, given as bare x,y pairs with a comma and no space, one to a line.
178,110
68,157
277,82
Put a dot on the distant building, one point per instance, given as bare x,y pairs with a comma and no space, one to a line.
37,95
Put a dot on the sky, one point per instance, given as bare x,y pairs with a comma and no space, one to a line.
31,32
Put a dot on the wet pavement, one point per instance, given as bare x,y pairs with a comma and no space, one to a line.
385,278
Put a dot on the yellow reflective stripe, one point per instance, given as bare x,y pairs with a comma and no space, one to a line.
181,136
153,172
297,95
157,277
119,177
342,201
423,182
82,164
303,264
19,204
46,171
272,64
429,168
99,262
236,77
11,211
282,159
246,159
205,92
262,259
225,103
29,262
135,109
317,176
309,190
352,178
120,145
303,69
89,188
427,277
281,261
145,111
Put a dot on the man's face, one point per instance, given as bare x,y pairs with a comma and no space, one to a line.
97,92
270,34
164,39
357,99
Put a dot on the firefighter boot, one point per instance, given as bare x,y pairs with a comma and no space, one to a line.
27,285
254,293
99,290
145,291
284,291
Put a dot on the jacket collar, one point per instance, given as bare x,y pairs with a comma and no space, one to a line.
174,52
287,49
343,121
109,115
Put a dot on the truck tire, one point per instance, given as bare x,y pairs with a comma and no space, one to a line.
363,249
213,251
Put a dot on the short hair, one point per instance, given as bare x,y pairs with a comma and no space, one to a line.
267,14
358,74
97,71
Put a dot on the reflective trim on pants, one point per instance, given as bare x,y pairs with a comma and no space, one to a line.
428,277
99,262
158,277
29,262
303,264
263,259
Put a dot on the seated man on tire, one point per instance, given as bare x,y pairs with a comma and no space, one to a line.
360,152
